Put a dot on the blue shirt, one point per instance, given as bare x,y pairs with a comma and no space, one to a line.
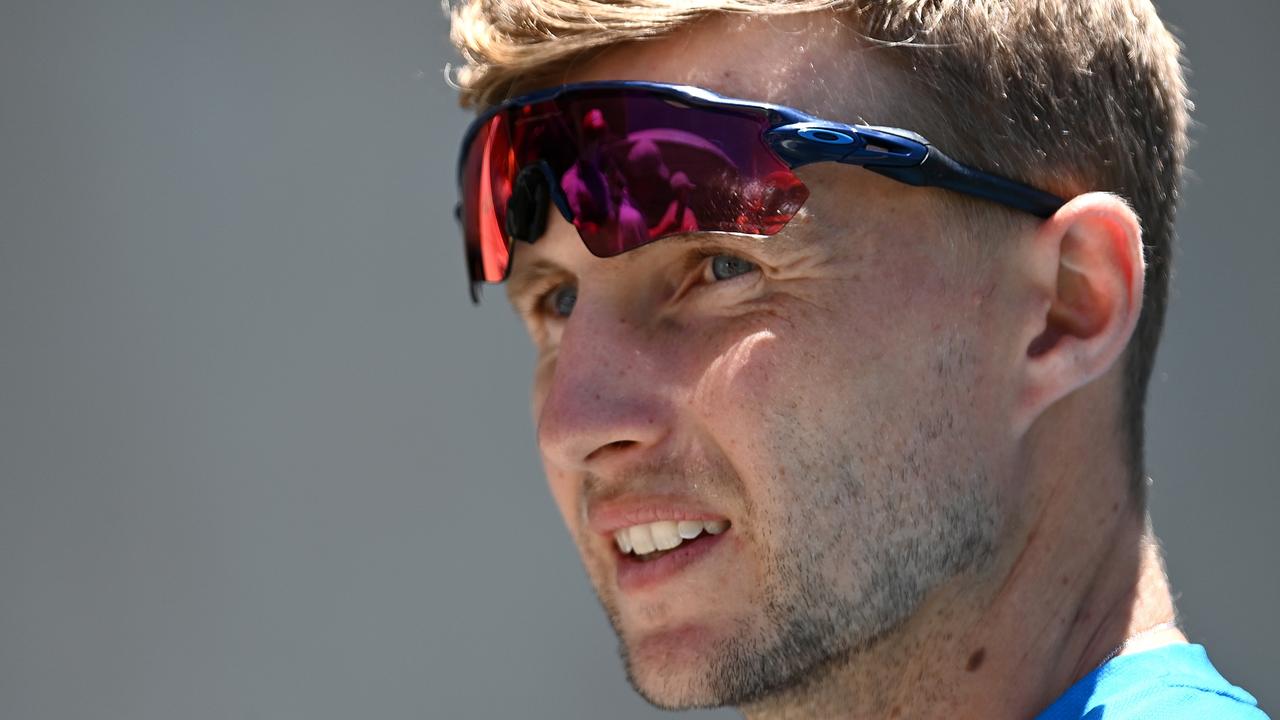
1173,682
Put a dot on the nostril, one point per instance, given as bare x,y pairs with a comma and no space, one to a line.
610,449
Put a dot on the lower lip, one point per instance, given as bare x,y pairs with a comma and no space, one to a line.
636,575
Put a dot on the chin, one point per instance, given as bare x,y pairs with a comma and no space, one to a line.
674,669
666,690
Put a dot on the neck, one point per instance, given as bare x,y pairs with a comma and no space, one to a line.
1081,577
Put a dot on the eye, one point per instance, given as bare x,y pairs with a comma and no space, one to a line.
727,267
559,301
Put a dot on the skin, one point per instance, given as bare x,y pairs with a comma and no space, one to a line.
916,441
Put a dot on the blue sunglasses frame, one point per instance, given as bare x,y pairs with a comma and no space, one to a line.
799,139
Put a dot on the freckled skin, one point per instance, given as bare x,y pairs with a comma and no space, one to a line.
838,443
843,406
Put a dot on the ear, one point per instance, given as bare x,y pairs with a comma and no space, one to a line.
1086,271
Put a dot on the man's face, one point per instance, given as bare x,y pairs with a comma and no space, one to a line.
828,392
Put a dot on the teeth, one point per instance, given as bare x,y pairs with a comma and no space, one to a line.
642,540
664,534
689,529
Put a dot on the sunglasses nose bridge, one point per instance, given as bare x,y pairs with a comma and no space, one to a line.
534,189
558,198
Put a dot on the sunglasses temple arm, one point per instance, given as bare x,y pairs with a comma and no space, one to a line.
939,170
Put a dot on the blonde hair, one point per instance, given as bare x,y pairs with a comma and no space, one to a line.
1069,95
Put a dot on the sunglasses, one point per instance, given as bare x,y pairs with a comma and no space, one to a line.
627,163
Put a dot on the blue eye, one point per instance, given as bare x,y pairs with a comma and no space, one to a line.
560,301
726,267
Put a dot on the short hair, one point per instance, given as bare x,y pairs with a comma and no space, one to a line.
1068,95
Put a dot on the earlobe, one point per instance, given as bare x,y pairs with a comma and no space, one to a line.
1087,268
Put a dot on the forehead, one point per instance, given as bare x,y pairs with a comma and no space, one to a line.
811,61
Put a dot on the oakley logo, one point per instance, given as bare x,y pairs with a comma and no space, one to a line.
830,137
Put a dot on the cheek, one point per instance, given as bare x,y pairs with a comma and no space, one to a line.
798,364
768,383
744,375
562,492
560,483
821,387
542,373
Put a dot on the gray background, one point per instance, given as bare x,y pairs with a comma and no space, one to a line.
259,458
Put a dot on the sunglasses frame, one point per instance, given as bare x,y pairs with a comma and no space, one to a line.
798,139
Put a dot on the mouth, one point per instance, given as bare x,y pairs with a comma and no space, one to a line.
649,541
652,553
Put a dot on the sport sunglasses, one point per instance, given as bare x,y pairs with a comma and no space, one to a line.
629,162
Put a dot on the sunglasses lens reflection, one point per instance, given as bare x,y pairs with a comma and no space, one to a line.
632,167
486,187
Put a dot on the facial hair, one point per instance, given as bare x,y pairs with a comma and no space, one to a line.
852,539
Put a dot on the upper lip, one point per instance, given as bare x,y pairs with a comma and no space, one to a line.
611,516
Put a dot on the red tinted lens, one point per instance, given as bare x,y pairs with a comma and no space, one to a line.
486,187
635,166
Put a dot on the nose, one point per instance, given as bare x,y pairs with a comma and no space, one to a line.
607,399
